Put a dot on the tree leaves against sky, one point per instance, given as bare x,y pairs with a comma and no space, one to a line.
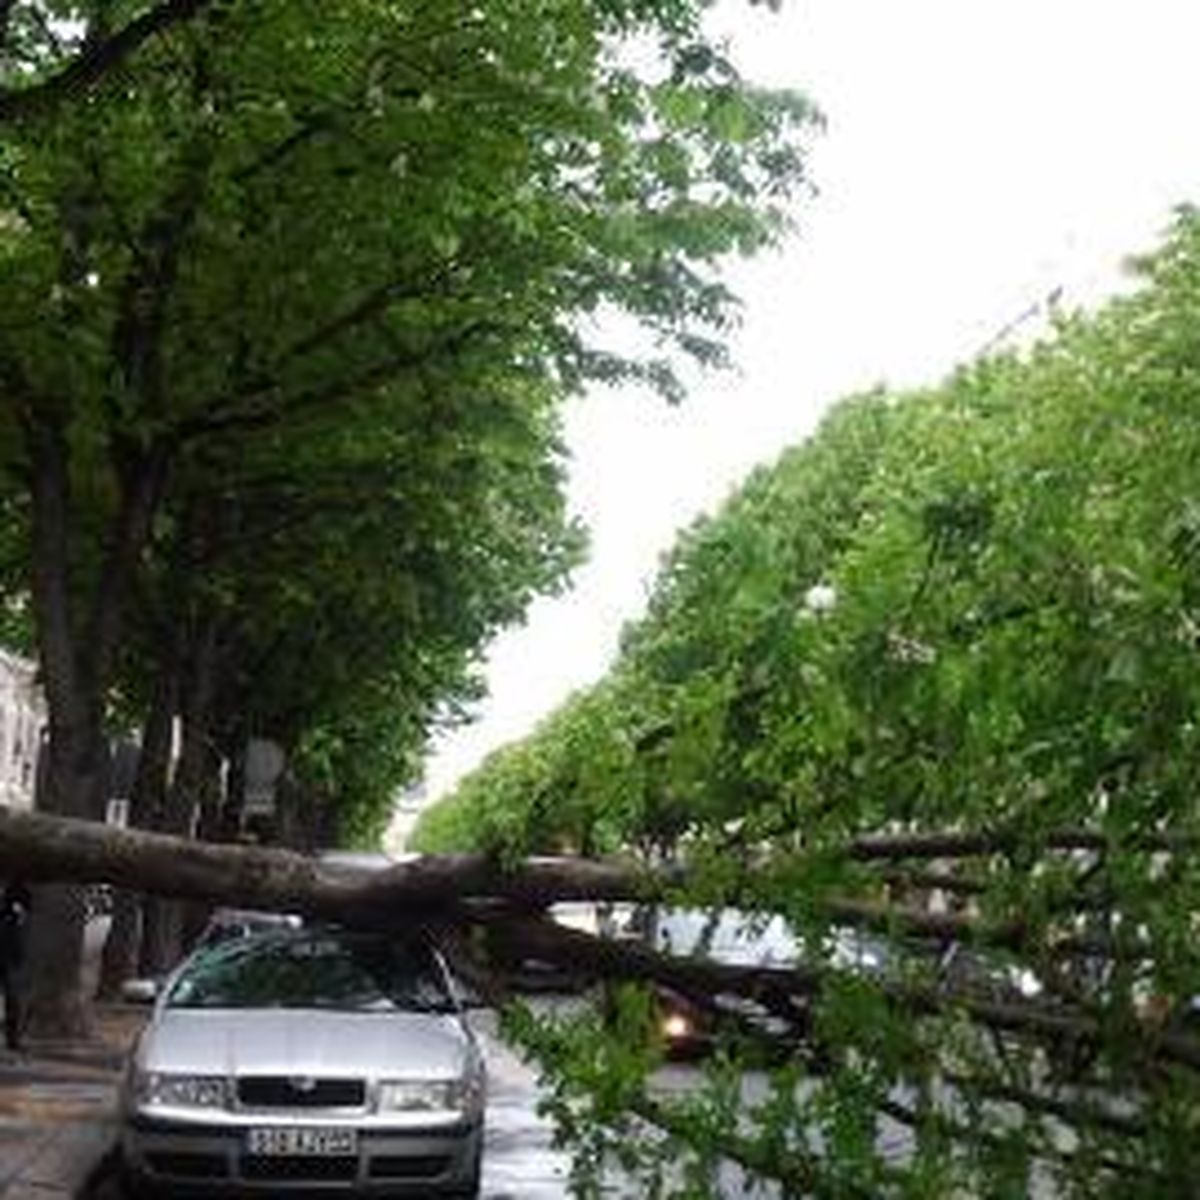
974,608
335,267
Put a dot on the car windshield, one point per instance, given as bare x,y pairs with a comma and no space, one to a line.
314,970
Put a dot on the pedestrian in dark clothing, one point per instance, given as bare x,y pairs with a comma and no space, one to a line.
14,914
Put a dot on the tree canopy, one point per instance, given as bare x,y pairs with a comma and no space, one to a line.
266,260
291,297
932,674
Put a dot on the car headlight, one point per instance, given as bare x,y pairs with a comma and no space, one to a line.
463,1095
182,1091
676,1027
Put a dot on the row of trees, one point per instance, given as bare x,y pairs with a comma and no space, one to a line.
291,295
290,298
928,681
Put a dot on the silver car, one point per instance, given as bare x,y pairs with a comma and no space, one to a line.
306,1061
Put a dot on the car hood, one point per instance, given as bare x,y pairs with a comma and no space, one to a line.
282,1041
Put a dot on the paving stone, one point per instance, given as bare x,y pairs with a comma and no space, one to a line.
57,1111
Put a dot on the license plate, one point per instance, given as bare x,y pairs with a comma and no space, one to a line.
301,1140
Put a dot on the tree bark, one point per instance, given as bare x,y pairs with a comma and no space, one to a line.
44,847
197,912
72,775
78,635
924,844
75,669
119,961
234,800
766,984
164,931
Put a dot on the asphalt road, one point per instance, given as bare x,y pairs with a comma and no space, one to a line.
519,1161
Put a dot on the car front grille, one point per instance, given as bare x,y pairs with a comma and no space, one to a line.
188,1165
297,1168
408,1166
282,1091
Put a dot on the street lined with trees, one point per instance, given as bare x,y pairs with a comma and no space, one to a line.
291,298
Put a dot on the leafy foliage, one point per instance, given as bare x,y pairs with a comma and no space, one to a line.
970,608
303,288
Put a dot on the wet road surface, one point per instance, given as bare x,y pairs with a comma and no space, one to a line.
519,1161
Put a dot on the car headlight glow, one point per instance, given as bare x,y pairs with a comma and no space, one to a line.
430,1095
676,1026
182,1091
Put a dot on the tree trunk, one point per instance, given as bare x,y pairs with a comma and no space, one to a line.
305,819
75,650
58,848
164,933
70,775
119,961
235,789
211,799
464,889
56,1004
291,808
209,794
162,937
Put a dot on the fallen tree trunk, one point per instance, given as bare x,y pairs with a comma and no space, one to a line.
42,848
477,888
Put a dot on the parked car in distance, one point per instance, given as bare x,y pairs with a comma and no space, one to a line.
305,1059
228,923
690,1027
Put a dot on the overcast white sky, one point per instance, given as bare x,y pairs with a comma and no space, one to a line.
977,155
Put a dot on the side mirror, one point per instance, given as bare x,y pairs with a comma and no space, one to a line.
139,991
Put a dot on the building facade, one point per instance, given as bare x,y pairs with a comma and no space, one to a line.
22,724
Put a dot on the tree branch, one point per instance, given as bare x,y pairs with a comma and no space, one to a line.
373,304
874,847
144,478
309,127
632,961
139,329
94,63
230,419
275,154
798,1172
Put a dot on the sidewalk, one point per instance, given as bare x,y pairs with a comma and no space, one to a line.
57,1108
